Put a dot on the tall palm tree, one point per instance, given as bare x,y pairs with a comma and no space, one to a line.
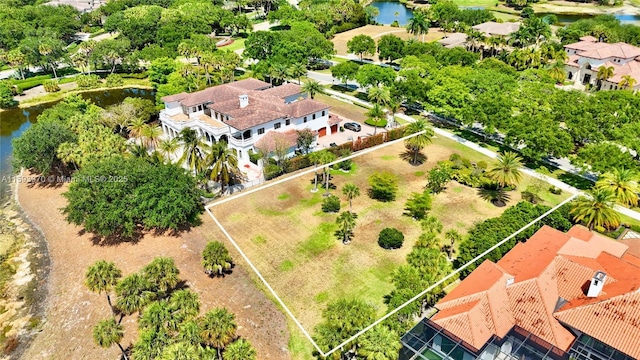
375,115
151,136
216,258
192,153
181,351
240,349
346,222
168,147
393,106
297,71
223,162
184,305
108,332
627,82
136,127
103,276
418,24
133,294
623,183
45,50
218,329
596,210
557,72
312,88
380,343
162,274
322,157
507,171
156,317
279,72
379,95
431,224
87,47
604,73
351,191
453,236
416,143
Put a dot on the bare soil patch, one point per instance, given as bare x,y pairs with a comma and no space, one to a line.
72,310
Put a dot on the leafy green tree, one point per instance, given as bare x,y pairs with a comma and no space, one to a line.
351,191
361,45
602,157
160,69
507,171
312,88
305,139
110,53
596,211
438,178
623,183
374,75
108,332
431,224
37,147
103,276
331,204
346,222
418,204
418,142
384,186
341,320
345,71
216,259
6,96
218,329
162,274
390,47
380,343
240,349
390,238
134,293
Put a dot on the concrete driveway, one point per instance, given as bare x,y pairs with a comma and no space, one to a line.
347,135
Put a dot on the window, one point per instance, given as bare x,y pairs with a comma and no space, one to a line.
305,119
276,126
193,109
287,122
260,131
314,116
323,112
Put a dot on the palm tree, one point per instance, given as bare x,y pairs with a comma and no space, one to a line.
375,115
103,276
45,50
393,106
351,191
453,236
192,153
136,127
431,224
181,351
380,343
596,210
279,72
623,183
346,222
379,95
151,136
604,73
218,329
162,274
156,317
184,305
240,349
168,147
507,171
557,72
418,24
190,331
108,332
312,88
223,162
216,258
87,47
322,157
627,82
297,71
418,142
133,294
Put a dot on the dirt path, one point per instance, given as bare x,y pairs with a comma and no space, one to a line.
38,91
72,310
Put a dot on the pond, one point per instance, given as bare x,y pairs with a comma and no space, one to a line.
569,18
391,11
14,122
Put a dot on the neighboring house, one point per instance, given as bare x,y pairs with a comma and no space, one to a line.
454,40
243,112
81,5
555,296
588,55
500,30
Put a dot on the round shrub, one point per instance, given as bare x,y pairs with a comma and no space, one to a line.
381,123
51,86
114,80
390,238
331,204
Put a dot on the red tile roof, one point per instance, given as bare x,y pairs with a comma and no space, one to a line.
272,139
549,292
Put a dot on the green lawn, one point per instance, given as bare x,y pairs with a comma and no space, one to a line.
476,3
236,45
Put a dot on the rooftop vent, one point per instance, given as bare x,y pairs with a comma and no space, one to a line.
510,281
597,283
244,101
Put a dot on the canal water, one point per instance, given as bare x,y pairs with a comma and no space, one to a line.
391,11
569,18
14,122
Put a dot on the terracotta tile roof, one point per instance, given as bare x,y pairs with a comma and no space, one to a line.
589,38
618,50
334,119
304,107
634,246
176,97
284,91
573,61
631,68
583,45
250,84
271,139
555,283
494,28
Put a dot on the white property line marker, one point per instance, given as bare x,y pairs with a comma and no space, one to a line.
284,306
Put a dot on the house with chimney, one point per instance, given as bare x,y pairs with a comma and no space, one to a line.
244,112
559,296
588,55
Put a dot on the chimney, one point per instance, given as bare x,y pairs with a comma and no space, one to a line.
597,282
510,280
244,101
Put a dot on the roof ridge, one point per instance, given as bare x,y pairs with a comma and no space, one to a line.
548,312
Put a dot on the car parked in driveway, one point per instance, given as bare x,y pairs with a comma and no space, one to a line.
352,126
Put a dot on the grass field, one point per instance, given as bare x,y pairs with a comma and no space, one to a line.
291,241
237,44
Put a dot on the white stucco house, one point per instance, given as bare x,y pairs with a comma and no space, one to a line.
588,55
244,112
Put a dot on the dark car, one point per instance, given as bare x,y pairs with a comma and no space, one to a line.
352,126
333,144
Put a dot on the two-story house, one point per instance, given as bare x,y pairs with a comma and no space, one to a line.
559,296
243,112
588,55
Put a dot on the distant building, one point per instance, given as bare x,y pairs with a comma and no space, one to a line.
454,40
82,5
244,112
556,296
501,30
588,55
